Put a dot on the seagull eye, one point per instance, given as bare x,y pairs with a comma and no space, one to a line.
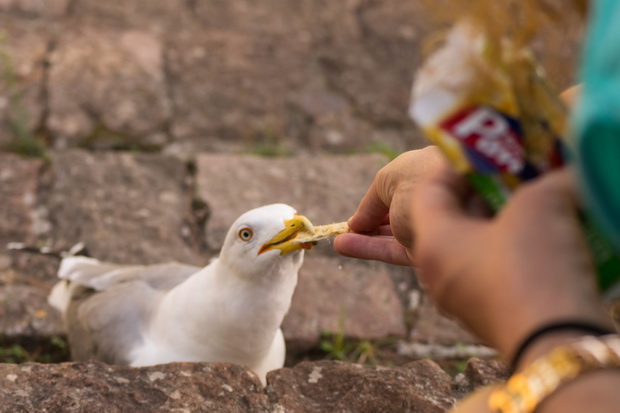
246,234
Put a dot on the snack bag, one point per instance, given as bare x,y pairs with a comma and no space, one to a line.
474,100
485,102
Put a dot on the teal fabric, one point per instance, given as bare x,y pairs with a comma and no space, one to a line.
596,123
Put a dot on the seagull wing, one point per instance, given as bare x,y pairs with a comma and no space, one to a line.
99,275
109,306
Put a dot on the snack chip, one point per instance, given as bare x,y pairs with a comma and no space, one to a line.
321,232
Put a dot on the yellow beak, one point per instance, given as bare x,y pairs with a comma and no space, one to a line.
283,240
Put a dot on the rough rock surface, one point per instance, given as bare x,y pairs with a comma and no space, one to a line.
19,181
24,54
326,386
49,8
329,386
127,208
342,297
432,327
96,387
107,89
26,315
237,76
22,218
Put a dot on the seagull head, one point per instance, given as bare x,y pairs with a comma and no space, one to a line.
264,235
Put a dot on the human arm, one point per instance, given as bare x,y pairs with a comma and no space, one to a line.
506,276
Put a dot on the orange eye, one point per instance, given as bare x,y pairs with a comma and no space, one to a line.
246,234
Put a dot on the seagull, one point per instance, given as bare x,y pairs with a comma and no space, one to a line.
229,311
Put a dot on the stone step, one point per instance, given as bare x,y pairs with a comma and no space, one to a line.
309,387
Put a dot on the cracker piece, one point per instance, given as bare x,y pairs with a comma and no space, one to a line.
321,232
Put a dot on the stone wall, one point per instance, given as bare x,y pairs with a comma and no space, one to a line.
183,75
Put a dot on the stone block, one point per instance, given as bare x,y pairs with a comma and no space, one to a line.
107,89
331,386
342,297
126,207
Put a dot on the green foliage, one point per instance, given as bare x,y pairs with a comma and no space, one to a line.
337,347
54,351
384,149
59,343
270,150
103,137
24,142
268,143
459,366
13,354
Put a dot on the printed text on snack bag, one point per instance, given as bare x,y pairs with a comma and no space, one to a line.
488,133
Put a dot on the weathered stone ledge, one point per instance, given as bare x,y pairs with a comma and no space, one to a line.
324,386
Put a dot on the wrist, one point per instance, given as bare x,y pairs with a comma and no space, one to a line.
544,345
585,315
551,335
549,374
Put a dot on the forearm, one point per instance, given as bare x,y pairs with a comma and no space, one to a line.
593,392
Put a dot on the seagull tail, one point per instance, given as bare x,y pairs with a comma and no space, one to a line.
60,296
73,271
79,268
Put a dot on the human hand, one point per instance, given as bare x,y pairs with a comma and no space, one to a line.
381,223
571,95
380,226
503,277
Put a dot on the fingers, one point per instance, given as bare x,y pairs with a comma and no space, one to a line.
397,178
440,197
563,184
374,207
440,220
554,194
571,95
371,212
383,231
377,248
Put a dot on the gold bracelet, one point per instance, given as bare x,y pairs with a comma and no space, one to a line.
524,391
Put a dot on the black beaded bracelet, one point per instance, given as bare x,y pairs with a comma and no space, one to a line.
586,327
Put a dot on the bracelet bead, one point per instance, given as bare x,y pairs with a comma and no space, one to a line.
525,390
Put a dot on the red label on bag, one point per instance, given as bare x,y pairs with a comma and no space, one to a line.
490,135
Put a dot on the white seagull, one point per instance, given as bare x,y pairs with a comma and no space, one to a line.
228,311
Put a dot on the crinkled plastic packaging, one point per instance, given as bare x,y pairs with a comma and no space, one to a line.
490,111
486,104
